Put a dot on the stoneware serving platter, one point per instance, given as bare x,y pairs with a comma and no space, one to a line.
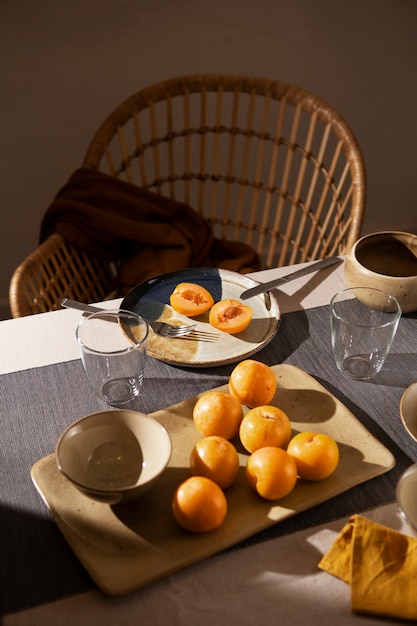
125,547
151,299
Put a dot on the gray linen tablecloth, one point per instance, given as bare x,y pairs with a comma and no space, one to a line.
36,564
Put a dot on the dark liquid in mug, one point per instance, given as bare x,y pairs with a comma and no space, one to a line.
389,257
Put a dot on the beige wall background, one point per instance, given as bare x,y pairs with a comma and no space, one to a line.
65,64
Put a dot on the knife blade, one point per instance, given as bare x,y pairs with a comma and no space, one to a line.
314,267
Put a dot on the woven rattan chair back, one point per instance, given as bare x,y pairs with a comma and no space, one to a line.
262,161
54,270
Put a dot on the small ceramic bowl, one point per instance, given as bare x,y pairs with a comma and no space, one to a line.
387,261
406,494
408,410
113,456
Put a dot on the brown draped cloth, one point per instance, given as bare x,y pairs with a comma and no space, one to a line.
146,233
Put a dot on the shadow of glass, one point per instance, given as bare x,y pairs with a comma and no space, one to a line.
157,393
399,370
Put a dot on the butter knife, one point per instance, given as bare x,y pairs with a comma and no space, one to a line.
314,267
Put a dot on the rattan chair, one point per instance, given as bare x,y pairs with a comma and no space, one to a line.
262,161
56,270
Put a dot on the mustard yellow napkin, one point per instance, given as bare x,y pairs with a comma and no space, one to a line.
380,564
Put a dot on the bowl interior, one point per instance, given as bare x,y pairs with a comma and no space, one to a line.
390,254
113,451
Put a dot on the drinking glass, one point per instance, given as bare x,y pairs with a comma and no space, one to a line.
363,325
113,349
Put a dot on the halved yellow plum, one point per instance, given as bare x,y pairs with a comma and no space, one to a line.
230,316
191,299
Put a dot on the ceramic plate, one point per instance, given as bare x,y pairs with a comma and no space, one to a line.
151,299
408,410
406,495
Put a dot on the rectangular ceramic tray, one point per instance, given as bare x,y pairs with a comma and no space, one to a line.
125,547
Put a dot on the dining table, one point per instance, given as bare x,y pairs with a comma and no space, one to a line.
269,577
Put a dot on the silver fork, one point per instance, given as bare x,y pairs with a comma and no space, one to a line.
161,328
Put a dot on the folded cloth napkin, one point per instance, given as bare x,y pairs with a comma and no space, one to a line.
147,233
380,564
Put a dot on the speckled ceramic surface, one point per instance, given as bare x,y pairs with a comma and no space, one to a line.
406,494
387,261
151,299
113,456
408,410
125,547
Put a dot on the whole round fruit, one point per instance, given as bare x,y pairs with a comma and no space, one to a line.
271,472
263,426
199,505
215,458
217,413
253,383
316,455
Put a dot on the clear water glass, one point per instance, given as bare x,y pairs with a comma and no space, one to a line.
113,350
361,333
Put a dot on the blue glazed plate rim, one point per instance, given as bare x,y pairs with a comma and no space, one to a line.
151,299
